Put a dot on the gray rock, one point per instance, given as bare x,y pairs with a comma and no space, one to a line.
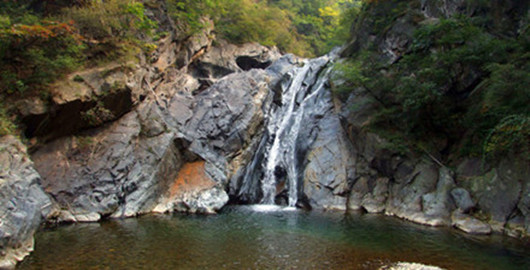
409,266
125,168
462,199
469,224
471,167
357,193
496,196
374,202
85,99
515,227
22,202
330,167
405,199
226,58
438,204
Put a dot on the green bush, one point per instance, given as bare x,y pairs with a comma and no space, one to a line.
6,125
306,28
426,103
111,28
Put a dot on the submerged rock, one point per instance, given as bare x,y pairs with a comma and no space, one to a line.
409,266
23,203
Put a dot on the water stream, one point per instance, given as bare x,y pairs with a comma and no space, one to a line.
282,153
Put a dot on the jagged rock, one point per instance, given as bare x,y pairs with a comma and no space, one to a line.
357,193
496,196
405,198
84,99
113,171
330,167
438,204
471,167
195,46
515,227
22,202
462,199
226,58
469,224
374,201
226,120
193,191
124,169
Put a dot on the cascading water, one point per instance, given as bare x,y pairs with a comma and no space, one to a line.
301,101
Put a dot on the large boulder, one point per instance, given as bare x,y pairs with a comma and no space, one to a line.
330,166
22,202
496,196
193,191
405,199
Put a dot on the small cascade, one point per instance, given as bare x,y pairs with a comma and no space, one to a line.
285,143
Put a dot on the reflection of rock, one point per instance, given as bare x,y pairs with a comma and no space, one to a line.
22,202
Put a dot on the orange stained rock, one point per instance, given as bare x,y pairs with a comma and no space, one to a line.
191,177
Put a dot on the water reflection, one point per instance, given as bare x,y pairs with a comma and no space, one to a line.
242,238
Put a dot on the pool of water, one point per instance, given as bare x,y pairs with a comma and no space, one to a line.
246,237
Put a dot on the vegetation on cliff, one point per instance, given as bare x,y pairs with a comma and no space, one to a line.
306,28
42,41
458,87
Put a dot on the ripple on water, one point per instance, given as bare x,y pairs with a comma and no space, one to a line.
265,237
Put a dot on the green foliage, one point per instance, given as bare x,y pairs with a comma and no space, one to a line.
458,83
36,49
97,115
32,55
511,136
6,125
305,28
112,28
188,14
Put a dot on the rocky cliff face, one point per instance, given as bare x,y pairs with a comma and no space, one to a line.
466,193
131,166
163,134
23,203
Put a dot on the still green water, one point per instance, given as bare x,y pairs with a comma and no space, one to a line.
242,238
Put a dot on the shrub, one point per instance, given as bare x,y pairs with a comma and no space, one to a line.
427,100
6,125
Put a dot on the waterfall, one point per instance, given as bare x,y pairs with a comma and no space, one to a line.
284,144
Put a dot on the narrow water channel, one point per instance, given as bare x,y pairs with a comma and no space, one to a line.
243,237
